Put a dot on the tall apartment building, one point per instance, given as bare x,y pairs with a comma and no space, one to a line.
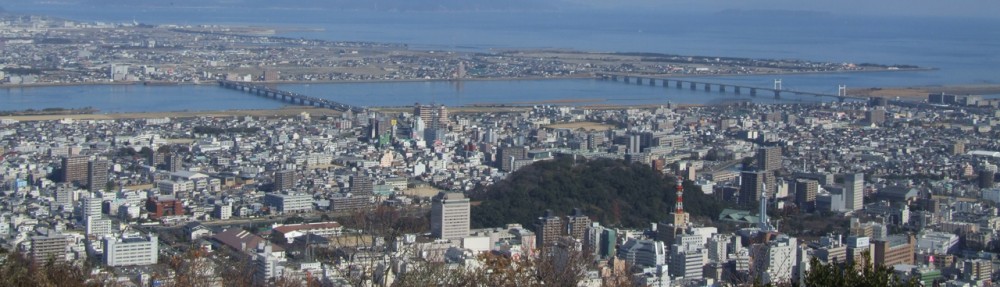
175,162
854,191
508,155
578,224
775,261
284,180
687,263
752,185
805,193
548,230
92,206
450,216
51,247
74,170
64,196
97,174
768,158
361,185
223,211
130,250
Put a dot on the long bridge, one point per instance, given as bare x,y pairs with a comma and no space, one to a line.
777,90
291,97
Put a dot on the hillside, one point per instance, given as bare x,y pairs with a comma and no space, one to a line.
614,192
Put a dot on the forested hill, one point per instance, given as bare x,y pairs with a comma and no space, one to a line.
614,192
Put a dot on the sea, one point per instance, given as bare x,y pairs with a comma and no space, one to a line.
961,51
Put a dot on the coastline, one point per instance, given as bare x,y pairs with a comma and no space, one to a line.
582,76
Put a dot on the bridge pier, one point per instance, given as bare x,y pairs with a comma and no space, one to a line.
722,88
753,92
638,81
626,79
693,86
777,94
652,82
736,89
666,83
708,87
679,84
841,99
614,78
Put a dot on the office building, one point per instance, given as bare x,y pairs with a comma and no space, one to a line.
286,203
98,226
450,216
51,247
643,252
854,191
768,158
284,180
74,170
893,249
161,206
130,250
686,262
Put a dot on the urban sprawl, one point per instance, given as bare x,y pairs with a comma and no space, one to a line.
379,197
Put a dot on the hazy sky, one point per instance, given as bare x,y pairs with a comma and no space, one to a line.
977,8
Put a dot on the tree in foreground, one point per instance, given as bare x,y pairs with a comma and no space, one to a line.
863,274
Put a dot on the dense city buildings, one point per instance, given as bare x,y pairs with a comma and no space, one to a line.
278,190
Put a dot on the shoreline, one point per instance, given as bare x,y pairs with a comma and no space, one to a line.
574,77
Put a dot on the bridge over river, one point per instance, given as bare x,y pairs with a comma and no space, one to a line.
777,90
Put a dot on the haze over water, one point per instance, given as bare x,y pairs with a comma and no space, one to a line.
965,51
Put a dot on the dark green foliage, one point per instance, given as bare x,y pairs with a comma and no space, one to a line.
862,274
614,192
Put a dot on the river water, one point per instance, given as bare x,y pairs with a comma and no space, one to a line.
964,51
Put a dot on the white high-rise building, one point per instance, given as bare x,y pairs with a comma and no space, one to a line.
687,262
98,226
717,251
91,206
223,211
450,216
854,188
268,265
775,262
129,250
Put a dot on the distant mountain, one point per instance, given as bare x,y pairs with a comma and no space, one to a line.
614,192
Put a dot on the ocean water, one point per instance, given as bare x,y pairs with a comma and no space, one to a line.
963,51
